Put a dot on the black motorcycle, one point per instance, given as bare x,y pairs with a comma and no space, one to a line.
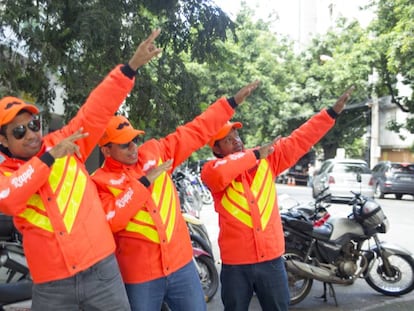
339,252
15,283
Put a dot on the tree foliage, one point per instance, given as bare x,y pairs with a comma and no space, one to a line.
394,42
205,56
257,54
80,41
332,64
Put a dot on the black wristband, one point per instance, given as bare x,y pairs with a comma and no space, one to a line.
257,154
128,71
145,181
232,102
47,158
332,113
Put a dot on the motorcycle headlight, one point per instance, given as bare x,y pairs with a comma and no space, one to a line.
3,259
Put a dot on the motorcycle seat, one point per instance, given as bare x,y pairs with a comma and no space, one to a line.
298,224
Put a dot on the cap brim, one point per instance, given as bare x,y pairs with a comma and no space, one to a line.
225,131
124,138
8,116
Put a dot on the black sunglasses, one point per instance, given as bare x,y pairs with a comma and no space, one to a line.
135,140
20,130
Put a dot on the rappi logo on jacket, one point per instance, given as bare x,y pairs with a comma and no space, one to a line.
121,202
23,178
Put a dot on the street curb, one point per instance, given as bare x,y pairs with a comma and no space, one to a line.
398,303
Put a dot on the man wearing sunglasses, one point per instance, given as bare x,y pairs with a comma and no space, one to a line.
154,250
45,186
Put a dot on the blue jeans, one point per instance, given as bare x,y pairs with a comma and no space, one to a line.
268,279
181,290
98,288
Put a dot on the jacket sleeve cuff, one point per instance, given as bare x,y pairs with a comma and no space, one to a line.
332,113
47,158
144,180
128,71
257,154
232,102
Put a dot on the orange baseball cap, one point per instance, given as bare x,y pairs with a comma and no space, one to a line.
119,131
10,107
225,130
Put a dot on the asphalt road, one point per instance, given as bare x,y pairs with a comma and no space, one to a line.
359,296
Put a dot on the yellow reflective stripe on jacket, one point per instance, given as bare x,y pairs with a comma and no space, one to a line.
31,215
114,191
263,190
74,201
148,229
242,211
67,173
64,177
169,206
163,196
35,218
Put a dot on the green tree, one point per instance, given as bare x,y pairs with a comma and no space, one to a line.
254,53
394,42
331,64
78,42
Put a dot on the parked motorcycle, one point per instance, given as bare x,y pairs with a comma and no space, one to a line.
197,228
202,248
190,197
15,284
207,272
206,195
339,252
315,211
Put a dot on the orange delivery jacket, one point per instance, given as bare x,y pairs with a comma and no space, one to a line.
151,235
57,208
245,196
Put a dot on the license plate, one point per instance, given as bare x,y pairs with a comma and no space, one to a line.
405,178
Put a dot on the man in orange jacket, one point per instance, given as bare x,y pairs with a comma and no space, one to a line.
251,238
154,250
44,185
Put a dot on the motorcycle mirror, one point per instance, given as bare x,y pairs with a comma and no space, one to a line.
358,177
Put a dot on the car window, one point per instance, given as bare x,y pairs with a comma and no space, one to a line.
351,168
377,168
401,168
324,167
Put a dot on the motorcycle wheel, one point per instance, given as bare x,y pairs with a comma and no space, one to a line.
299,287
402,280
206,197
199,242
200,230
208,274
378,194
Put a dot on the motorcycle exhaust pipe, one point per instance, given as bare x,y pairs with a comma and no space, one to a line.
313,272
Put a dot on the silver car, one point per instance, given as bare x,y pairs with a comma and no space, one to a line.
393,178
340,176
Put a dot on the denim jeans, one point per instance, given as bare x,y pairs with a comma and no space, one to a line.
268,279
98,288
181,290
